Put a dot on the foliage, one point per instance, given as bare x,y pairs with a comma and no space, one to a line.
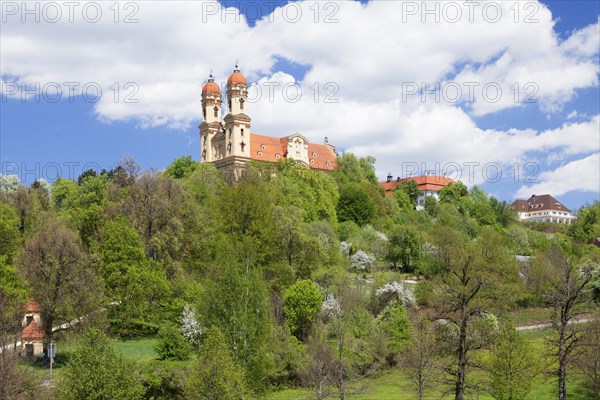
96,372
9,183
215,376
172,344
404,248
512,366
397,326
302,303
355,205
10,237
181,167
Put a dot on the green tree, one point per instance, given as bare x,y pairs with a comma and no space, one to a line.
10,237
411,188
138,284
466,289
215,376
96,372
431,205
453,193
172,345
302,304
181,167
236,301
404,247
355,205
404,201
512,365
59,274
397,326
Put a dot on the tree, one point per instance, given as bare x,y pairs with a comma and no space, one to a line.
172,345
61,278
10,237
319,371
355,205
431,205
361,260
96,372
566,291
236,301
301,305
215,376
14,381
397,326
403,200
587,354
181,167
419,359
466,289
138,284
512,365
404,247
453,193
411,188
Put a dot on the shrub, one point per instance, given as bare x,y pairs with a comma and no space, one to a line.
172,344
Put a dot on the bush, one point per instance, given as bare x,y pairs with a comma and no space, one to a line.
172,344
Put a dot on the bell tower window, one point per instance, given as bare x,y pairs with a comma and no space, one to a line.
216,110
229,104
241,104
204,112
242,132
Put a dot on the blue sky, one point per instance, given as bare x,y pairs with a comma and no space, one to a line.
39,138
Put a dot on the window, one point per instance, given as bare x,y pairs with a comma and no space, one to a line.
263,146
241,104
312,161
260,153
29,320
277,156
328,163
242,132
314,154
29,350
204,112
216,110
229,104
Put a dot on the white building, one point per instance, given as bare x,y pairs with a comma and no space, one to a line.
544,208
429,185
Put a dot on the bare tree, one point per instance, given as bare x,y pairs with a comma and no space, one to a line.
566,291
587,355
320,370
419,361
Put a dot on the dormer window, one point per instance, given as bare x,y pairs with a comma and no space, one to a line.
328,163
277,156
314,154
260,153
312,161
263,146
557,205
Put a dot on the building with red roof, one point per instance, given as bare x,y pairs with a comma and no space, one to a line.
428,184
32,335
229,143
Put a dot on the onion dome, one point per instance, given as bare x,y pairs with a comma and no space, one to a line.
211,86
236,78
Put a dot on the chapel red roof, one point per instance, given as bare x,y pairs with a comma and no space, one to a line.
32,331
424,182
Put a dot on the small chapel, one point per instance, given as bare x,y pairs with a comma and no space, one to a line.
229,143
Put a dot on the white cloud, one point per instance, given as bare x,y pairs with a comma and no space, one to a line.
579,175
367,53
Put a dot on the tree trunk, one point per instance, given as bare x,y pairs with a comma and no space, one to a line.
462,361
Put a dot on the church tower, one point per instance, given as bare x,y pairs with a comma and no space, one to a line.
211,121
237,121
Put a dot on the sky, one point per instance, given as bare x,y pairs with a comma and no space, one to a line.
500,94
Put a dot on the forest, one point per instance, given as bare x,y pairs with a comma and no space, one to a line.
292,284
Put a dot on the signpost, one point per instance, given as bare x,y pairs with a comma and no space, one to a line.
51,353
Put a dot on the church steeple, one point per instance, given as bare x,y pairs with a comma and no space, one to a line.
237,121
211,119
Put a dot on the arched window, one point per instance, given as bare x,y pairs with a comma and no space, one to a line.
229,104
204,112
241,104
216,110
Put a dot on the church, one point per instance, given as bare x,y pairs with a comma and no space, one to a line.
229,143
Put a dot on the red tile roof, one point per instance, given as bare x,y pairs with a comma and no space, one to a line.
211,87
32,306
236,78
32,331
425,182
268,148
